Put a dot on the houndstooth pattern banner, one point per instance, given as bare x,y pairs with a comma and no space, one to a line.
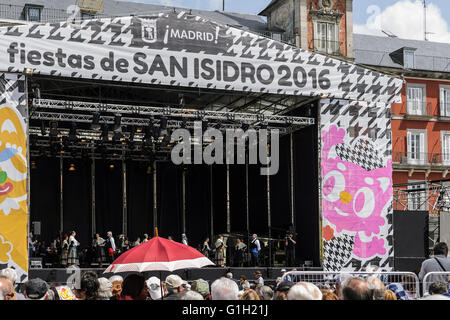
356,184
337,252
179,49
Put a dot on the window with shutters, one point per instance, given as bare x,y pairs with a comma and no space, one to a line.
445,143
326,38
444,101
416,99
417,147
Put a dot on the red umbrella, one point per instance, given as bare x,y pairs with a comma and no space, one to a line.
159,254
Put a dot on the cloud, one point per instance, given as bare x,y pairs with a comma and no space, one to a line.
405,20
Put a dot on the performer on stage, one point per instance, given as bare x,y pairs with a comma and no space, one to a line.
31,245
184,239
220,247
110,247
239,251
72,259
99,249
145,238
206,249
290,250
255,247
137,242
64,250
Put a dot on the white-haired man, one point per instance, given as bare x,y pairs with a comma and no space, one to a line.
110,246
255,247
304,291
224,289
9,273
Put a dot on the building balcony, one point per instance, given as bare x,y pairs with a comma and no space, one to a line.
417,110
328,47
420,160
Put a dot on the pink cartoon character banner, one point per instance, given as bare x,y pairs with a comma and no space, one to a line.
356,172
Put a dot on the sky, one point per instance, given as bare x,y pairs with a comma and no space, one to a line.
404,18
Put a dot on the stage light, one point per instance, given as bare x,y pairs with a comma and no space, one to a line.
73,132
105,137
28,71
117,137
43,131
72,167
54,129
149,170
33,165
163,127
117,121
263,125
132,133
96,121
111,166
245,126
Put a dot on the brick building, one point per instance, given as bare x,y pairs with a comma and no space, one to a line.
325,26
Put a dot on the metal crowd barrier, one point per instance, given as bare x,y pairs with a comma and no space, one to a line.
327,280
431,277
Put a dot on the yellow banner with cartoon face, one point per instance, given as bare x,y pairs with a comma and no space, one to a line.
13,189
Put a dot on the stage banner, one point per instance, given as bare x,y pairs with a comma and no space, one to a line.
356,171
178,49
13,175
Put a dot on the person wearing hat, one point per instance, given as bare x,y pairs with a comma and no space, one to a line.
174,285
202,287
283,288
36,289
154,288
259,279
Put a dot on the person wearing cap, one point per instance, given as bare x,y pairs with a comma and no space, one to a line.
201,286
283,288
36,289
259,279
154,288
174,285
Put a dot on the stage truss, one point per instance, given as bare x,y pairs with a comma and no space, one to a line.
431,196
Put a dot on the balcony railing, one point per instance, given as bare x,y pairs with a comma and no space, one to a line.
328,47
420,158
417,108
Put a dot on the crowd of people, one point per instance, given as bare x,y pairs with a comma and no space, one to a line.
173,287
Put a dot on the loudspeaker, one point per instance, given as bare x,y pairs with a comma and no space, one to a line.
410,239
36,228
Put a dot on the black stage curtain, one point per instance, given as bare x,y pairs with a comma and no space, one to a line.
306,195
109,197
139,199
219,199
169,200
77,196
257,187
198,204
237,199
280,193
44,196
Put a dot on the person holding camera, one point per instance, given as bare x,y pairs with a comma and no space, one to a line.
290,249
